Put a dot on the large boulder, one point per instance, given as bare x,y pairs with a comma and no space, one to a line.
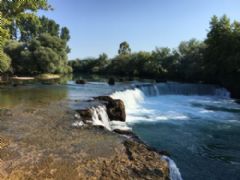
80,81
85,114
115,108
111,81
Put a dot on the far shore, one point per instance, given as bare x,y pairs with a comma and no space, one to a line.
6,80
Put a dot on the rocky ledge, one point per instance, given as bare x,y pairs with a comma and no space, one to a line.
40,143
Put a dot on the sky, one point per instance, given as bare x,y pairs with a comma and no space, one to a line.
98,26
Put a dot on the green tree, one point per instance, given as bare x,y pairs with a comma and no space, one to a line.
124,48
15,11
4,35
65,34
29,26
49,26
222,55
45,54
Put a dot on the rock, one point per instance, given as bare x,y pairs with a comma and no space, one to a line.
115,108
104,98
80,81
130,79
111,81
124,132
5,112
121,79
161,80
145,163
165,153
85,114
3,143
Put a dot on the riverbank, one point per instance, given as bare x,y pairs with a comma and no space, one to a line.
40,142
18,80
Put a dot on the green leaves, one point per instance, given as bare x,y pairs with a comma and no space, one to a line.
124,48
45,54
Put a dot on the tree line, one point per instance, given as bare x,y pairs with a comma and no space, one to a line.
215,60
30,44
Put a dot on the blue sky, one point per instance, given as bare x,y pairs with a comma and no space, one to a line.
98,26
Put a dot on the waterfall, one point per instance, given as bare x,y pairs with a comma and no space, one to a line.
182,89
130,97
222,92
100,117
174,172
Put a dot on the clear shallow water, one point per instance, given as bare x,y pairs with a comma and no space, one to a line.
202,133
35,94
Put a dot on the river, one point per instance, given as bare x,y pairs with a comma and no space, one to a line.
199,125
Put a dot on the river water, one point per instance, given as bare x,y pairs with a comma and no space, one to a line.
199,125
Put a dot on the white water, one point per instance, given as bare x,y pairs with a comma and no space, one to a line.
168,101
176,103
130,97
182,89
173,169
100,117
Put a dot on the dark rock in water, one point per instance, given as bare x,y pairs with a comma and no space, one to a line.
130,79
121,80
80,81
104,98
166,153
115,108
99,127
85,114
161,80
124,132
111,81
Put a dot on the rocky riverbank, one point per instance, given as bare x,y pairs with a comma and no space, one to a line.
41,143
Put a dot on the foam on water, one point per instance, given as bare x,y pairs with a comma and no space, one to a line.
173,169
177,103
100,117
130,97
182,89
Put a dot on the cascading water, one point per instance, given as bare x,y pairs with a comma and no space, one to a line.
174,172
130,97
184,119
175,116
100,117
182,89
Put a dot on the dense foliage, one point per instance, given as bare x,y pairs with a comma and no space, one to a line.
31,44
215,60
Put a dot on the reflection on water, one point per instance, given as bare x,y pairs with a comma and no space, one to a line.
31,95
54,90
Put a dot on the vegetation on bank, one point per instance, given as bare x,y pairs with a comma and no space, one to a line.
31,45
214,60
